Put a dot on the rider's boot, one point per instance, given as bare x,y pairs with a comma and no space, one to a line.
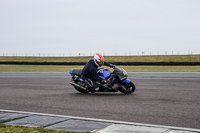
92,90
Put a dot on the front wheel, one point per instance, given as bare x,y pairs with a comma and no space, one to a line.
127,89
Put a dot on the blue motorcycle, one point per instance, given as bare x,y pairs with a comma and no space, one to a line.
116,81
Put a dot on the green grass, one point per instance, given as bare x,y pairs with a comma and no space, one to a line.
38,68
20,129
153,58
61,68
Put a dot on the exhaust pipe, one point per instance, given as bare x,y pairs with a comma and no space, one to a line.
77,85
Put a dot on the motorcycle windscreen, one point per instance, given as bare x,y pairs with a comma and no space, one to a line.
104,73
121,73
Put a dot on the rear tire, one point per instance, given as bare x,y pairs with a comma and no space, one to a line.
130,88
81,90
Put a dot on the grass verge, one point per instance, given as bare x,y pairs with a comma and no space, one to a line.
60,68
20,129
152,58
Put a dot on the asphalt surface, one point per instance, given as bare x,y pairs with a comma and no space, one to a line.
171,99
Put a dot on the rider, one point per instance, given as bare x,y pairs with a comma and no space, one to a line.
90,75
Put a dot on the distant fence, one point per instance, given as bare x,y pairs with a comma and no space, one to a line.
79,54
115,63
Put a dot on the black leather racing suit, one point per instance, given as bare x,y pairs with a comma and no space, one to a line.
90,75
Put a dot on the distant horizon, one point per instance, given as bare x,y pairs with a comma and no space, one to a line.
82,55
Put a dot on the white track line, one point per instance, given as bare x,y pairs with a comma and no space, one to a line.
103,120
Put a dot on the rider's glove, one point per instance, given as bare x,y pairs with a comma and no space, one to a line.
112,66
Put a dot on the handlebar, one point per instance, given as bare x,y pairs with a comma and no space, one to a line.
113,66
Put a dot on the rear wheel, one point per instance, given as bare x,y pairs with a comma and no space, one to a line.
81,90
81,84
128,88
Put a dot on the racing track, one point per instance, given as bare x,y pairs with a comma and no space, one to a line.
171,99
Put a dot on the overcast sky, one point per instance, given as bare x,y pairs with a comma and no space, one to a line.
111,27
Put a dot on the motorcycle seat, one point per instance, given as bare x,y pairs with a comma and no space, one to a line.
77,72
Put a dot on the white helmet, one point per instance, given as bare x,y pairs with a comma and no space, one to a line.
98,59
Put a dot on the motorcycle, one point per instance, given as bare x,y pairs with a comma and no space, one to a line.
116,81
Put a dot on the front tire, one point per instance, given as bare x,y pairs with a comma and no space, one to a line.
128,88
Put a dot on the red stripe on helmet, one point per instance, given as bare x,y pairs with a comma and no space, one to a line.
100,57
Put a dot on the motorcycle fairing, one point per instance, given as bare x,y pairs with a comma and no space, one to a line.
126,81
121,73
105,73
